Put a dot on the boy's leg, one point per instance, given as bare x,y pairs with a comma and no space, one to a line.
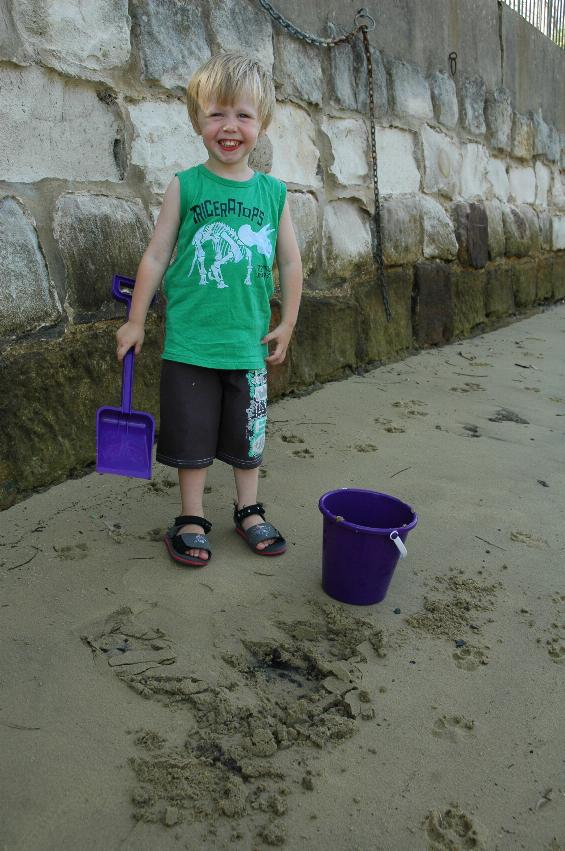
246,483
192,483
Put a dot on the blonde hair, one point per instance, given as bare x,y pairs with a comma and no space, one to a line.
226,77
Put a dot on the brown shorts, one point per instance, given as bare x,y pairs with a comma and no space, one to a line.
211,413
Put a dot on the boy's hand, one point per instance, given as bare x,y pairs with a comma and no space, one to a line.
281,335
130,334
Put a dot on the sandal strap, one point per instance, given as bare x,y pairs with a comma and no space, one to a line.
192,541
185,519
240,514
262,532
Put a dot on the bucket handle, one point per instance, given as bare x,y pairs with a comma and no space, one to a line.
394,537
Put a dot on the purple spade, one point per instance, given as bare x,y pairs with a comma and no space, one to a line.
124,437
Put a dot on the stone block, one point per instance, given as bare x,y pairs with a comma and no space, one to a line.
298,69
472,105
27,298
343,86
382,339
553,149
402,231
558,190
397,168
499,293
498,115
557,233
439,235
471,230
11,47
433,305
242,26
522,180
558,276
98,237
410,91
541,134
442,163
171,39
444,99
349,148
522,137
325,339
468,288
516,232
380,82
530,216
545,278
346,241
524,282
79,145
75,36
474,182
261,157
544,224
70,378
543,183
496,238
295,155
163,142
305,218
497,178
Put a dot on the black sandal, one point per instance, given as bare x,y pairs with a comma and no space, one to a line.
177,544
260,532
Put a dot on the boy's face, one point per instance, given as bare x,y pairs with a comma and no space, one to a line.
229,133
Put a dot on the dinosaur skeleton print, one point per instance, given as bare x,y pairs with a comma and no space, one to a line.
229,246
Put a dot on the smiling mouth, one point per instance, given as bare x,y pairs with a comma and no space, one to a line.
229,144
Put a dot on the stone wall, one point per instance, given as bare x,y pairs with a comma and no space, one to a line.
93,125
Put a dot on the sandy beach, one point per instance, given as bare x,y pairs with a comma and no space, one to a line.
144,706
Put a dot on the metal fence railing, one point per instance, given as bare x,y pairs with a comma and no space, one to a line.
547,15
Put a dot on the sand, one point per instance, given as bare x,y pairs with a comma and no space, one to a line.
146,706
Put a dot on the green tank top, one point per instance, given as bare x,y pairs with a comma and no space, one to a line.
218,287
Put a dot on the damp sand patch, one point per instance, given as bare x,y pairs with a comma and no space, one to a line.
454,614
250,729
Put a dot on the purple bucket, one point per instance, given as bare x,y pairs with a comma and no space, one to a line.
363,538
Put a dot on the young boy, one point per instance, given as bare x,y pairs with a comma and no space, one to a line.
228,223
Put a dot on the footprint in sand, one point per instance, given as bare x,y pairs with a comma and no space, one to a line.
505,415
452,830
556,649
303,453
291,438
153,535
469,657
467,387
389,426
73,552
472,430
451,727
529,540
366,447
410,407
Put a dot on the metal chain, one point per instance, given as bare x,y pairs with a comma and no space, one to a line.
363,28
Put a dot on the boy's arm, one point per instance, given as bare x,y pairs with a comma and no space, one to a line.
290,272
153,265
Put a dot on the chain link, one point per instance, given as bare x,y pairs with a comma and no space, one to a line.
363,28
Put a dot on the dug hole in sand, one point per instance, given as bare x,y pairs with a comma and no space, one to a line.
145,706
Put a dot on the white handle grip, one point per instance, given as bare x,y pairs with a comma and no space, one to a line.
399,544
